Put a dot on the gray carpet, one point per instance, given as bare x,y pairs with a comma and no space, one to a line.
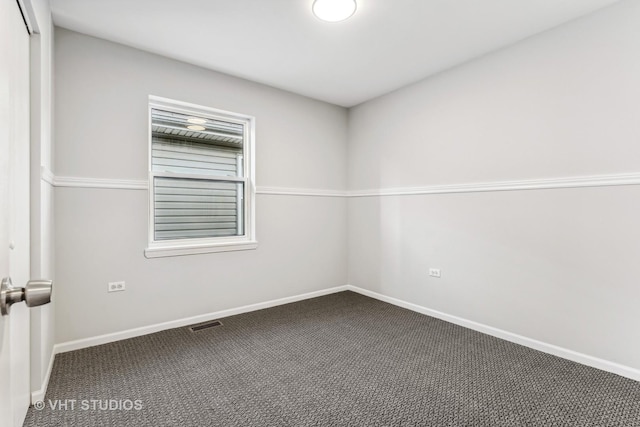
337,360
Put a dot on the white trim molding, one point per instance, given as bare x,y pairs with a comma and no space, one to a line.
118,184
131,184
532,184
555,350
282,191
47,176
145,330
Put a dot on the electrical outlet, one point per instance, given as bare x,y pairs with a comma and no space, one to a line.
434,272
116,287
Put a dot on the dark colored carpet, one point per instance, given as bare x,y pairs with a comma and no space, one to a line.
338,360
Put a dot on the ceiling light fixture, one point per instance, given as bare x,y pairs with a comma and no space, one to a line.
196,120
334,10
195,127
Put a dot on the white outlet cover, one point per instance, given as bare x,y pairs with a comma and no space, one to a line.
116,286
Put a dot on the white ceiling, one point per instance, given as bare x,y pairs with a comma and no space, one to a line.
387,44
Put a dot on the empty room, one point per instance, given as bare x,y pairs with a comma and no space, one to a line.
320,213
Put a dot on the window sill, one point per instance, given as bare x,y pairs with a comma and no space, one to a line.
180,250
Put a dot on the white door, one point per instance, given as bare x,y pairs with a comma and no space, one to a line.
14,210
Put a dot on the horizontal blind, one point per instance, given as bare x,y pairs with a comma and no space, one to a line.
188,157
196,208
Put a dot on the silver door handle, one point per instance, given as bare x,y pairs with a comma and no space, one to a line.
37,292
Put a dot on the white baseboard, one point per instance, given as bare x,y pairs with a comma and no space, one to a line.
38,396
584,359
144,330
574,356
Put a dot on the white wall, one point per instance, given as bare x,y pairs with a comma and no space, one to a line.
101,101
555,265
41,222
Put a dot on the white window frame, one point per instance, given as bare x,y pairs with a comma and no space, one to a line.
178,247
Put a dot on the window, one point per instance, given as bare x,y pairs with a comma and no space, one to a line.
201,187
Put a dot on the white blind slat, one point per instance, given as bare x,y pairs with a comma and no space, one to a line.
194,191
193,234
195,198
195,184
194,156
195,212
195,164
194,226
195,219
193,147
200,212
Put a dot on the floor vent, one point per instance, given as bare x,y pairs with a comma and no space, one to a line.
206,325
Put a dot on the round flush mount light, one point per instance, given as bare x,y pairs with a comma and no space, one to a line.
334,10
195,127
196,120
